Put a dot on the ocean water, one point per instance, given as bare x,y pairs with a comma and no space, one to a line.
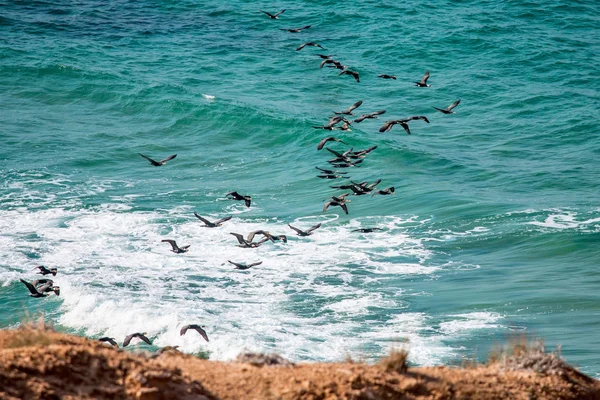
494,229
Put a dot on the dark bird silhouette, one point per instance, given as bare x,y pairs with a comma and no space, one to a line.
384,192
265,234
158,163
328,139
215,224
350,109
330,176
337,65
246,244
45,271
295,30
176,249
385,76
337,202
449,109
325,56
41,291
387,126
236,196
332,122
307,232
303,45
327,61
366,151
195,327
244,266
109,340
348,72
330,171
367,230
373,115
136,335
274,16
423,82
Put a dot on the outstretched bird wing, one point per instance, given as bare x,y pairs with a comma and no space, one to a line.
247,201
199,329
254,264
312,228
223,220
171,242
386,126
354,106
168,158
230,262
207,222
270,15
299,231
239,237
279,13
451,106
31,288
405,126
301,46
425,77
155,163
344,207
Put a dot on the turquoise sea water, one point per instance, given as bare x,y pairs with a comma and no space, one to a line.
494,229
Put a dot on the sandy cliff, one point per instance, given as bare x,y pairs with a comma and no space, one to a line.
40,364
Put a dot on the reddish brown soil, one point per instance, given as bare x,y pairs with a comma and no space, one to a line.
38,364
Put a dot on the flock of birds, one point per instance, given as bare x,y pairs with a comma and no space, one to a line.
342,159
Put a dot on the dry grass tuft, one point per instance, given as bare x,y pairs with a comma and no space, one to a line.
395,361
32,332
529,355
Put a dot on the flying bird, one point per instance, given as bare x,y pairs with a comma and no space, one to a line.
303,45
329,171
40,291
195,327
45,271
341,204
215,224
366,230
385,76
109,340
328,139
423,82
384,192
307,232
373,115
243,243
348,72
176,249
158,163
449,109
136,335
244,266
295,30
274,16
236,196
350,109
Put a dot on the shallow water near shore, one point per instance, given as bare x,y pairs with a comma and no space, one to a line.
493,230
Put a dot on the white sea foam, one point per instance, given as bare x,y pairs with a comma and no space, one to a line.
561,219
306,300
